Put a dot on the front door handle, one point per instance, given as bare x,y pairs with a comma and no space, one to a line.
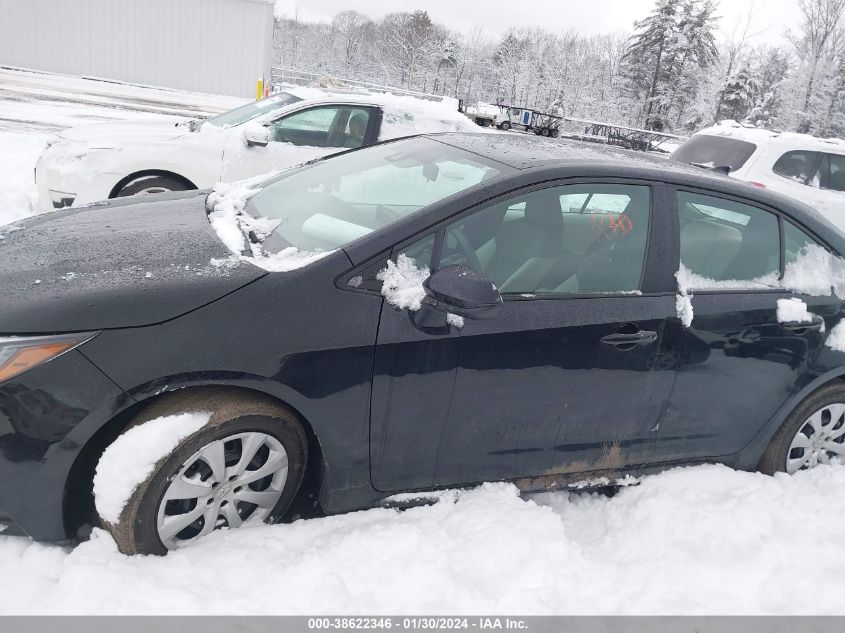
800,328
629,341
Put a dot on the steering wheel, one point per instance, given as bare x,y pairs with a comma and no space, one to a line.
472,259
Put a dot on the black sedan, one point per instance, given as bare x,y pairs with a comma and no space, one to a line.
548,344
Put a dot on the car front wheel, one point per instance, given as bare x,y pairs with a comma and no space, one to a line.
244,466
148,185
813,434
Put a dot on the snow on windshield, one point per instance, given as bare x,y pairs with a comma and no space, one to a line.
232,224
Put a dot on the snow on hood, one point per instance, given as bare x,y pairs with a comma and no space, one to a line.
229,220
111,134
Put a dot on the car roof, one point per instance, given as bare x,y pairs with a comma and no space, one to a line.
763,137
523,152
358,95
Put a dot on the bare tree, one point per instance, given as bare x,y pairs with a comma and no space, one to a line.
820,25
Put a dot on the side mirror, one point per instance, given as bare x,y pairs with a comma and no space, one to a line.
458,290
256,135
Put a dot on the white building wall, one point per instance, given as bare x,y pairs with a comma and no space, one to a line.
216,46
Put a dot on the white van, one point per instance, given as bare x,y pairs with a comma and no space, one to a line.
804,167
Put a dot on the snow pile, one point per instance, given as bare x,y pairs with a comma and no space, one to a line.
231,224
688,280
683,300
683,306
836,339
402,285
130,459
455,320
18,195
703,540
793,311
815,272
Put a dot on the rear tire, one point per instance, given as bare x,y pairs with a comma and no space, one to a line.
139,527
808,434
149,185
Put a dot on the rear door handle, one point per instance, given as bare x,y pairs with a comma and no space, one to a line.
629,341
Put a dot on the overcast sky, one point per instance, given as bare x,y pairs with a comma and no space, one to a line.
772,17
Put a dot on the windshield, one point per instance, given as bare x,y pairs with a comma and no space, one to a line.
336,201
251,110
714,151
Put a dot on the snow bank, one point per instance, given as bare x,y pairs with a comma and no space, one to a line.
704,540
793,311
231,223
402,285
18,195
130,459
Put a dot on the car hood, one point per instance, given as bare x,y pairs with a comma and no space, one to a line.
114,134
116,264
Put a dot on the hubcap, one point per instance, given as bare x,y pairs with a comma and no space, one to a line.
151,190
820,440
227,482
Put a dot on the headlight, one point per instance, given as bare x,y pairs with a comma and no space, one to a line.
19,354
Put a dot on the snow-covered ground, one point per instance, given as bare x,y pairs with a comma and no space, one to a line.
694,540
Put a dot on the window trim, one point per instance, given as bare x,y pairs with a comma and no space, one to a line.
439,228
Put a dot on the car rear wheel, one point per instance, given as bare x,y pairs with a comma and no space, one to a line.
148,185
243,467
813,434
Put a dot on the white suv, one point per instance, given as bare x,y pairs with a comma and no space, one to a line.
804,167
108,160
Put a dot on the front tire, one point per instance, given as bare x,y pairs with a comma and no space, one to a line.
245,465
149,185
813,434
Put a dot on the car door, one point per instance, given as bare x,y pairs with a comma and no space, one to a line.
569,376
301,136
738,363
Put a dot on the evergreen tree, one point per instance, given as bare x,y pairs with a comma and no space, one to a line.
739,95
668,49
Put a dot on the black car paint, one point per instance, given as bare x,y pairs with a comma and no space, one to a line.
121,264
393,407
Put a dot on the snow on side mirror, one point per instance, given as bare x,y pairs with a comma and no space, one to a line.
256,135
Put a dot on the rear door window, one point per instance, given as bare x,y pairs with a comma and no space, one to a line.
833,172
801,166
794,241
715,151
723,240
